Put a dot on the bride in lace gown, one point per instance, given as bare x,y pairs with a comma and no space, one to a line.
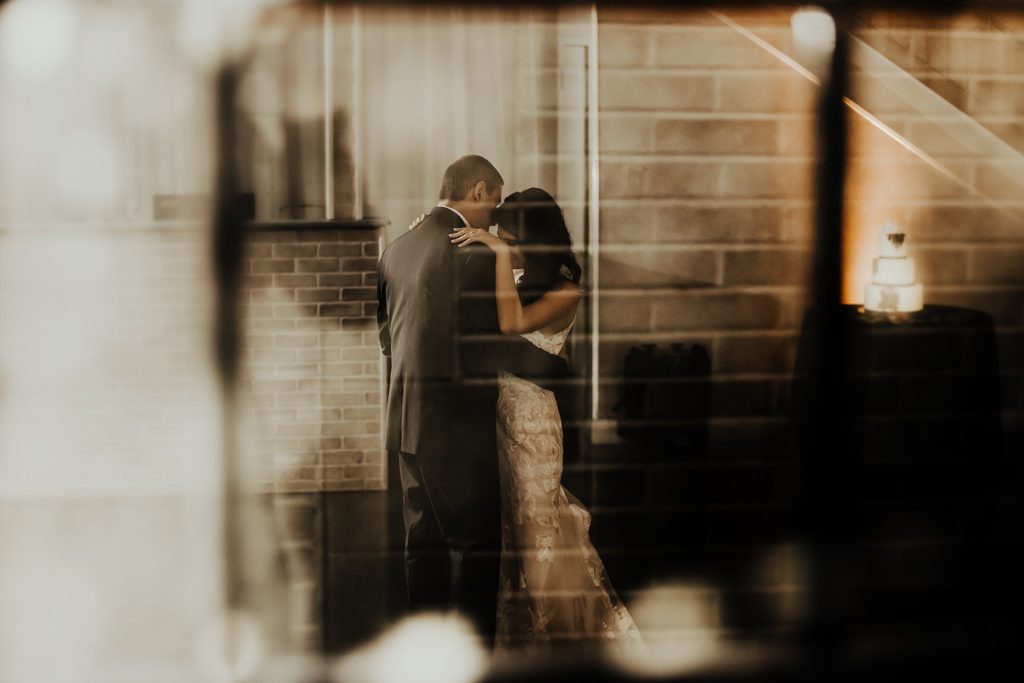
554,591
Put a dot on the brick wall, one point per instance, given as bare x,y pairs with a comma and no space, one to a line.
706,227
706,210
312,367
968,236
705,207
311,395
707,197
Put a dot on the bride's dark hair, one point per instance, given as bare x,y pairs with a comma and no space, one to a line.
536,220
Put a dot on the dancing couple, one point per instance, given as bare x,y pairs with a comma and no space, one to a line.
471,412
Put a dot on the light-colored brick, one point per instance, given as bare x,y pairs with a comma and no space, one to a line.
728,223
657,179
894,180
342,399
296,400
629,134
936,223
295,340
940,266
1001,180
716,46
342,457
627,224
362,442
764,93
997,266
653,267
344,428
770,179
713,310
776,266
716,136
625,312
624,46
629,90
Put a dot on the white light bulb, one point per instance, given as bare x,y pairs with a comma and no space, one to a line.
813,27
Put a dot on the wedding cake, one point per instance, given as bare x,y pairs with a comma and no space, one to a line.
893,288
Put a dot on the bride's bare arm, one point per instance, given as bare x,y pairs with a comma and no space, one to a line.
557,305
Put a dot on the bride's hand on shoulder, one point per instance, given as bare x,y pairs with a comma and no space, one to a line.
463,236
415,224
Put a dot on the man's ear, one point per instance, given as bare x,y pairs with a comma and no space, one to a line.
480,191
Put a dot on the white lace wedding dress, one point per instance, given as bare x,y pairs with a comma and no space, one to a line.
554,590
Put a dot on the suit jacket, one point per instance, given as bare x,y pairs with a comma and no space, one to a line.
438,322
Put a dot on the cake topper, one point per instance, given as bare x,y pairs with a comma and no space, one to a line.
896,238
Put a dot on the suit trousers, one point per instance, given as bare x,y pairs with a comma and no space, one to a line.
452,534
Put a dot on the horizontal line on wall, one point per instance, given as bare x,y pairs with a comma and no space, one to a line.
686,15
668,242
702,71
939,202
682,505
694,335
952,245
667,337
724,202
644,157
662,290
659,247
715,377
682,114
640,156
670,466
79,227
997,76
901,33
735,421
958,117
368,224
706,202
663,115
975,287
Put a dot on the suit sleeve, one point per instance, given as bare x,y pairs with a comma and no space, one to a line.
483,349
383,327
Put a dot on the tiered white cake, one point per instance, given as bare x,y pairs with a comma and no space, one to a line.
893,288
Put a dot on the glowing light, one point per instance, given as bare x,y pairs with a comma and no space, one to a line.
37,37
88,171
679,623
814,27
421,649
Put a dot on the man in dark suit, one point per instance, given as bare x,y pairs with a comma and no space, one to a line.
438,323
